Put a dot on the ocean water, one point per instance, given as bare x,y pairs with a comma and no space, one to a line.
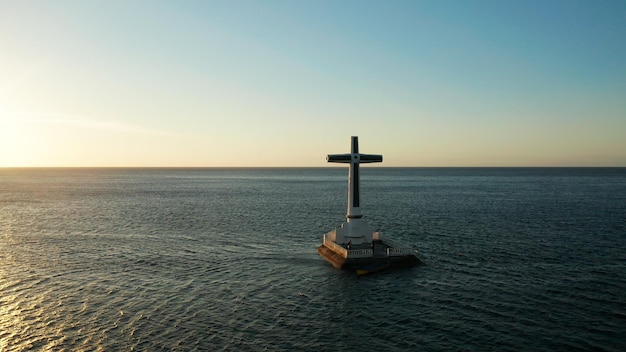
225,259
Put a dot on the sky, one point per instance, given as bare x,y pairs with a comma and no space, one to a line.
150,83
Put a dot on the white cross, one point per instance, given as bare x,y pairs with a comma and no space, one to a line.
354,159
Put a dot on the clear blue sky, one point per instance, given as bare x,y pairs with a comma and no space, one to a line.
283,83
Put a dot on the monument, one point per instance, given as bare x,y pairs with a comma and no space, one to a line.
355,245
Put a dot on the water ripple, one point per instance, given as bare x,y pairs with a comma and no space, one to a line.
189,260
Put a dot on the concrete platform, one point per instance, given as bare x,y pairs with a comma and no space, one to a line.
341,259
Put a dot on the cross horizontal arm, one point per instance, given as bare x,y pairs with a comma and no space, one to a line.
356,158
339,158
370,158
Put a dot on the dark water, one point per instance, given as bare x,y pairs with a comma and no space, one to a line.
224,259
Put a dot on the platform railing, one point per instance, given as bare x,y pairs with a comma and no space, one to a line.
335,247
397,248
360,253
394,243
396,252
348,253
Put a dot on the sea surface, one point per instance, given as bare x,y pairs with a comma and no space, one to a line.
516,259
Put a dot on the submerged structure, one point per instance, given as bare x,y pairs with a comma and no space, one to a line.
355,245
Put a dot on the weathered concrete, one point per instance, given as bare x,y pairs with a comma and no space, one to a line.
380,256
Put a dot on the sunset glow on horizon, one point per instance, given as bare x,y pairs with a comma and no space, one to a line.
283,83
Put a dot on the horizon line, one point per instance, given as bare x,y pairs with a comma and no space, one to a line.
317,167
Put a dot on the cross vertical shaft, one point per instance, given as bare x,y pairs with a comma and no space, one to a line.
354,159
